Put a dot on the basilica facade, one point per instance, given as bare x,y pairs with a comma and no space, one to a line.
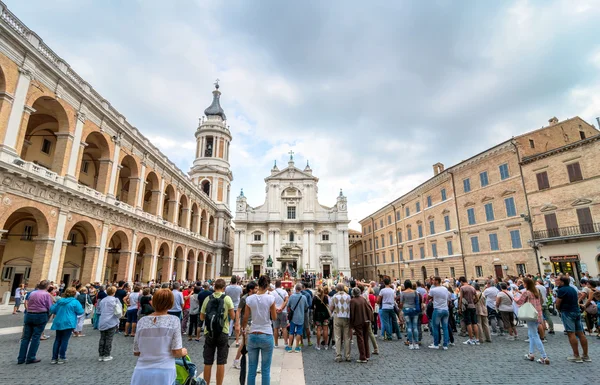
291,231
85,196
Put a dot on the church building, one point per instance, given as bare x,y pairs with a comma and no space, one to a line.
291,231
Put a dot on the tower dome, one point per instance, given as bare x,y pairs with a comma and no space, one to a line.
215,107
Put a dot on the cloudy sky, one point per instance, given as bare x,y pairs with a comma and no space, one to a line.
371,93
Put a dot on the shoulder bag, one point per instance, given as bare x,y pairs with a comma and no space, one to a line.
527,312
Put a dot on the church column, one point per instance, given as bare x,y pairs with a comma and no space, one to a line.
147,262
271,244
277,246
99,276
161,198
114,171
220,229
132,258
314,262
58,246
70,178
306,249
9,144
218,263
139,200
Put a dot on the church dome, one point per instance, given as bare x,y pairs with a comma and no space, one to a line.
215,108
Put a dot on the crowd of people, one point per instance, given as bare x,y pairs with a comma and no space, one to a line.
257,315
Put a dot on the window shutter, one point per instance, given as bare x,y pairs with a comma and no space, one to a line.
574,171
586,224
542,180
551,224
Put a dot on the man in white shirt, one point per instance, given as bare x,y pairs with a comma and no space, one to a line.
440,296
490,293
387,300
281,301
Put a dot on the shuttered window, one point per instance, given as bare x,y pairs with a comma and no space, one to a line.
542,180
551,225
574,171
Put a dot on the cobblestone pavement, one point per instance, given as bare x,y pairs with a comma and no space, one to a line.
501,361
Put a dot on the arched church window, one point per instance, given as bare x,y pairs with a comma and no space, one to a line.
292,236
208,152
206,187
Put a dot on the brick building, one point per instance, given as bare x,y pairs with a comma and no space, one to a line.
470,219
84,195
563,189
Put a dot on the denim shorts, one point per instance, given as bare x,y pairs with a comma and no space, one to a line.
572,321
296,329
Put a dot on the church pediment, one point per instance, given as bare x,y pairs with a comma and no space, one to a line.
581,201
548,207
291,173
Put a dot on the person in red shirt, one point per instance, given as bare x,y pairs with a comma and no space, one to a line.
187,293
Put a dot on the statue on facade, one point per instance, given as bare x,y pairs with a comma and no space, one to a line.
269,262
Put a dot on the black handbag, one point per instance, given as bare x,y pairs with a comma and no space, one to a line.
291,311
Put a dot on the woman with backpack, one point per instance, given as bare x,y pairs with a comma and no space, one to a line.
261,307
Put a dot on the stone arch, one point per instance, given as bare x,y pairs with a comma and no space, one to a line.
205,186
46,138
143,260
195,219
190,270
204,223
95,167
152,193
128,180
80,258
201,266
183,206
209,266
169,202
117,262
180,263
163,263
211,228
27,247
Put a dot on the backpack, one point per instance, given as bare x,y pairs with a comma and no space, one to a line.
215,315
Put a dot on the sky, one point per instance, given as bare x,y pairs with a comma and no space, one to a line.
372,94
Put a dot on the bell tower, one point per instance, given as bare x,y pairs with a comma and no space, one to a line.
211,168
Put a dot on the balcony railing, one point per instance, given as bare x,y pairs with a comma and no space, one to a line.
570,231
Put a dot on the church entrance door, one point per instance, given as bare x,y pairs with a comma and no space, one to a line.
326,271
256,271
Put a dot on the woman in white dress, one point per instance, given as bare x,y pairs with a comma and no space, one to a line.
157,343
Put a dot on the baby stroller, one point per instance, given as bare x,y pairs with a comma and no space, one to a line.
187,372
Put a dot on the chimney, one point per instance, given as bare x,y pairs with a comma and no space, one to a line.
553,120
437,168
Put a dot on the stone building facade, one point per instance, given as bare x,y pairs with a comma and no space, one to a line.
291,230
84,195
563,188
471,219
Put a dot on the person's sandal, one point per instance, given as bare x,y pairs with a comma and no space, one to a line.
544,361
